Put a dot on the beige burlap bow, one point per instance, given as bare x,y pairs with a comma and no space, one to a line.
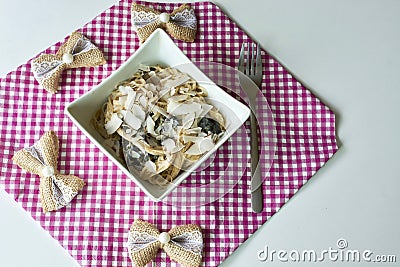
56,190
76,52
183,244
180,24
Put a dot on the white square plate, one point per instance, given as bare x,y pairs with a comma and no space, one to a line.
158,49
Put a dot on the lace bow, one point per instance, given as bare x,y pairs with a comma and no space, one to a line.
180,24
183,244
76,52
56,190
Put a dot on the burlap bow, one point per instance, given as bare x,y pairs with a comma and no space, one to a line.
180,24
76,52
183,244
56,190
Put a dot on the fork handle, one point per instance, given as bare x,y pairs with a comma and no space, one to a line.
256,186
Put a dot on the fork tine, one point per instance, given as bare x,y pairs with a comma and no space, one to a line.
258,59
241,59
249,61
254,58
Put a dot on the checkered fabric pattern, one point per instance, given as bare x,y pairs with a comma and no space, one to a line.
94,227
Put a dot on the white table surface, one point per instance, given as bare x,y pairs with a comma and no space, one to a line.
346,52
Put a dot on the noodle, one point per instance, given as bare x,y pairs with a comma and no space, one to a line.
159,123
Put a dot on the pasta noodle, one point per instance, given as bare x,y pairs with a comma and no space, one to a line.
159,123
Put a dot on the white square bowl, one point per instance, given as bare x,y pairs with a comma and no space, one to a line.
158,49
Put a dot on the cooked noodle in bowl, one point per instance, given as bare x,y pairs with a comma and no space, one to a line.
159,123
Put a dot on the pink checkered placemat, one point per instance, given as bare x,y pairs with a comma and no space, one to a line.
93,228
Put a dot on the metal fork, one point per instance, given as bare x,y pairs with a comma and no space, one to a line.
250,64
